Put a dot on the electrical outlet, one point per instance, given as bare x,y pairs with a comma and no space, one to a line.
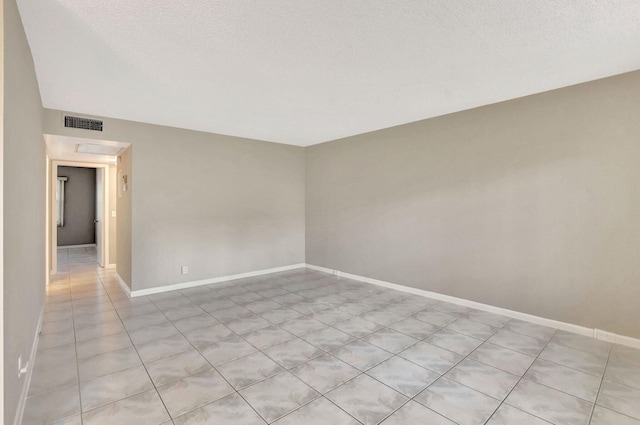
184,269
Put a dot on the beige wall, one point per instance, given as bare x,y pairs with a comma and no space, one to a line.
2,343
112,220
532,204
24,205
220,205
123,217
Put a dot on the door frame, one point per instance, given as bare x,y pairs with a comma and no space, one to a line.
53,228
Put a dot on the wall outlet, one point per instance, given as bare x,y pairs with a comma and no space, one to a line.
22,369
184,270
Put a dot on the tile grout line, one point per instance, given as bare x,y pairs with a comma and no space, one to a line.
259,350
75,346
309,314
593,408
141,361
451,368
207,360
520,380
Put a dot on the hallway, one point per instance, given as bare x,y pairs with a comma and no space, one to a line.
79,259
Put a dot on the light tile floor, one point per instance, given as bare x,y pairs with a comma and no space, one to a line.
302,347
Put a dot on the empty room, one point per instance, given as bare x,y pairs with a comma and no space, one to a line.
310,213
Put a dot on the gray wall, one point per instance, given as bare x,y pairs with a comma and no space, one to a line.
221,205
24,205
531,204
79,206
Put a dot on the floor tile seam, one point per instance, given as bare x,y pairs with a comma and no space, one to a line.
599,375
488,324
101,336
468,356
415,398
57,302
411,399
520,380
141,361
105,352
633,418
581,350
59,386
299,337
237,391
527,335
118,399
459,333
199,327
612,409
595,402
495,367
431,370
287,414
374,365
214,368
297,364
387,385
350,380
77,361
617,380
360,422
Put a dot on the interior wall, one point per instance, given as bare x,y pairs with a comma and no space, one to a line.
530,204
220,205
24,205
123,215
79,206
112,208
2,214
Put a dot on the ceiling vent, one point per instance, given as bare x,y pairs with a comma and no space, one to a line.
82,123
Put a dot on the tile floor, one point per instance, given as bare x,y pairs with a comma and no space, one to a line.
302,347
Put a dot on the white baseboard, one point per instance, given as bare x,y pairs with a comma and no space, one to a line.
110,266
123,284
616,338
27,381
86,245
192,284
569,327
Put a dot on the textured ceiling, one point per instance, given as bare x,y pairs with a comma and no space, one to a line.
307,72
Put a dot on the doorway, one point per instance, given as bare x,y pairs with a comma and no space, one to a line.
79,224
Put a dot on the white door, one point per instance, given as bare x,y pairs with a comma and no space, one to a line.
99,215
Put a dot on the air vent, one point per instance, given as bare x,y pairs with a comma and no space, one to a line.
82,123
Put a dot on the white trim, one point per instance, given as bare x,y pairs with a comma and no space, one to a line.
27,381
123,284
185,285
86,245
2,343
105,207
110,266
569,327
616,338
